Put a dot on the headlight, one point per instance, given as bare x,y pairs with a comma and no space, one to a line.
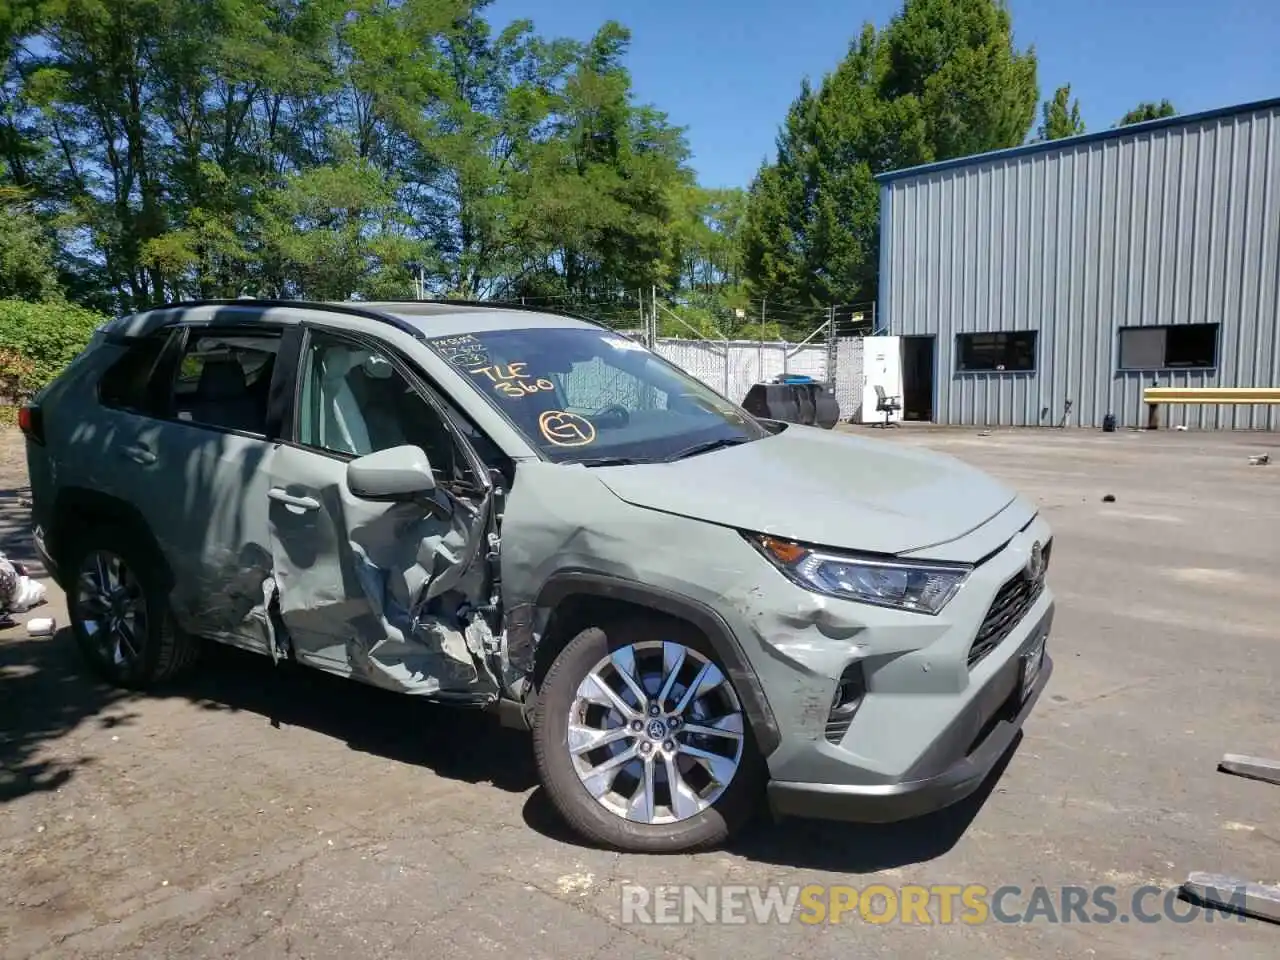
917,586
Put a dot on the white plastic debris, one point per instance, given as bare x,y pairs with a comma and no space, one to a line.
30,593
1261,460
42,627
18,592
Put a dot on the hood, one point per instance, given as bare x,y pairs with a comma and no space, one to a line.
824,488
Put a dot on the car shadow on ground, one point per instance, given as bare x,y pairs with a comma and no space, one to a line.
44,695
47,691
822,844
456,743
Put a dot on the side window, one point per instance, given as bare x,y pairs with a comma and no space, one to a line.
223,379
129,383
355,402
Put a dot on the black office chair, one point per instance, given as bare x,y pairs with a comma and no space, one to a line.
886,405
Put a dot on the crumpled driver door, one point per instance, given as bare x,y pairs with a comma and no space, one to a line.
389,593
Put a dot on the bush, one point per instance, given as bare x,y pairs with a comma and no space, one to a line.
37,340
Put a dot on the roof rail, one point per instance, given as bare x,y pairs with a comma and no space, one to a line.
242,303
503,305
372,311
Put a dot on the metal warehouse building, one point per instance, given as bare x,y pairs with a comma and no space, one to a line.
1052,282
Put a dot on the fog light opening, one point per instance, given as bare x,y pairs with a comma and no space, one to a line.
845,701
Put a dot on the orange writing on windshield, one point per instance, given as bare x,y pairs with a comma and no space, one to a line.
510,379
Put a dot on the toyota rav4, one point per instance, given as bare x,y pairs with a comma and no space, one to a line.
693,609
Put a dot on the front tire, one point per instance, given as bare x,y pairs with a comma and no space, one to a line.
119,610
641,740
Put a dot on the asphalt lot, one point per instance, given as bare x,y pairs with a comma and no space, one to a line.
255,812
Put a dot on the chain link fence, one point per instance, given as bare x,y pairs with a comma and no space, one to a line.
731,367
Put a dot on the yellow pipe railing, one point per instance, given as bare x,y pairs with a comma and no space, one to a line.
1211,395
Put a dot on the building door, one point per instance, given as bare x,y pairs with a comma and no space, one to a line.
881,373
917,377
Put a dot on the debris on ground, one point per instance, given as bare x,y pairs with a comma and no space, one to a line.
1246,899
42,627
1260,460
18,592
1109,498
1181,426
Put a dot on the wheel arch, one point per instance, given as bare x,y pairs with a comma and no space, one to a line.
576,598
78,509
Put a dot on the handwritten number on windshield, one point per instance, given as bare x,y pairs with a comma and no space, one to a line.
511,380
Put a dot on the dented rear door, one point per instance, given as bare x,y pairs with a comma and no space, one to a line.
389,593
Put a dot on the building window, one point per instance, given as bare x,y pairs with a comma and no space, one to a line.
1012,352
1163,348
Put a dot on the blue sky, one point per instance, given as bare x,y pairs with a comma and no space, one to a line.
727,71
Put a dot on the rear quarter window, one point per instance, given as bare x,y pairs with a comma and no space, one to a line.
129,383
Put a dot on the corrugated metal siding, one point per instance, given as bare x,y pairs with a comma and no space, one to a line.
1176,225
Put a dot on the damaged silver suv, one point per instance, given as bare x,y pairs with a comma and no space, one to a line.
526,512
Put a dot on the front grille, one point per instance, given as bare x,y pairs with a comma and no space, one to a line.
837,728
1012,602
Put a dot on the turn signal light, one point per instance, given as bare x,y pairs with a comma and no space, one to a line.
783,551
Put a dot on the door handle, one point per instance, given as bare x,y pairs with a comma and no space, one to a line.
140,454
289,500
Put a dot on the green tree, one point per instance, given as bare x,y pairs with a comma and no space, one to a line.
775,233
1147,110
20,143
956,59
704,244
1060,116
208,148
942,79
27,270
597,208
335,232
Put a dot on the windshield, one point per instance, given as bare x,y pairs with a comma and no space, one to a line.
591,396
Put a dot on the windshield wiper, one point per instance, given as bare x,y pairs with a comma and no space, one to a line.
609,461
706,446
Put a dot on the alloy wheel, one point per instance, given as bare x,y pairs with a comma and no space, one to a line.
656,732
111,607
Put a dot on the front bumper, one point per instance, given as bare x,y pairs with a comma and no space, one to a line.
930,725
912,796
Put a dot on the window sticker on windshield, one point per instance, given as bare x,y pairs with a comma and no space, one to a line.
511,380
462,351
564,429
623,343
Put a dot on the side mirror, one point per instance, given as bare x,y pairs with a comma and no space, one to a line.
399,473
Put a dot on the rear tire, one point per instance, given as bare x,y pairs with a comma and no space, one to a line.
118,604
632,805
